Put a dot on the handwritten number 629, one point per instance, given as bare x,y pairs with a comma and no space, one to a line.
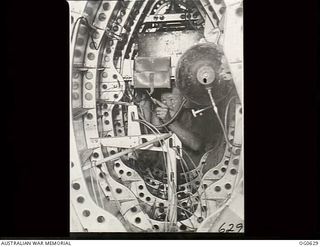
230,227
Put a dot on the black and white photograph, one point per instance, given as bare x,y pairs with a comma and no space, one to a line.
156,128
161,122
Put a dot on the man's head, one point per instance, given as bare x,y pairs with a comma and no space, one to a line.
172,98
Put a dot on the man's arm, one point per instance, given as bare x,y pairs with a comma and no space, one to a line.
186,136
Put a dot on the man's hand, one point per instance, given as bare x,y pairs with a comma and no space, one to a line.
163,114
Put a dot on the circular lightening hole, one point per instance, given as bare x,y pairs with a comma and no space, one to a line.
233,171
80,199
86,213
137,220
76,186
228,186
100,219
183,227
